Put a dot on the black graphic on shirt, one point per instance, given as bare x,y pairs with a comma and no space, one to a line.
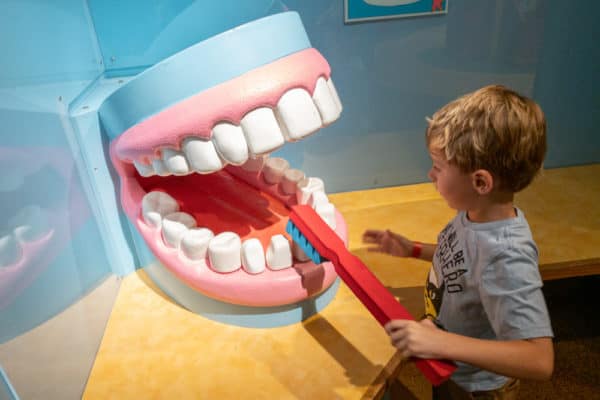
449,257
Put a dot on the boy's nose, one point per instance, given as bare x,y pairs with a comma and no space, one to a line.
430,175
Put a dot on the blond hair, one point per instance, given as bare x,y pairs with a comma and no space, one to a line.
493,128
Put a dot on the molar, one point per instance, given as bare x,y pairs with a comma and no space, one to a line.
279,253
290,180
274,169
202,155
306,187
253,256
174,226
254,164
262,131
230,143
155,205
317,198
159,167
175,162
143,169
224,252
194,243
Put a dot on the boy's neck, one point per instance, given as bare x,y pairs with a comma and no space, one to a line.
493,208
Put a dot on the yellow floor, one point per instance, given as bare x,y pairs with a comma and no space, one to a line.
153,348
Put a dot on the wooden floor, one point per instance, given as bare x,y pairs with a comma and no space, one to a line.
152,348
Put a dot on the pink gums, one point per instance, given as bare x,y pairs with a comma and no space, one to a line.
227,102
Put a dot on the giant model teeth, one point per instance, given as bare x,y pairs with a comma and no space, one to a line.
274,169
30,224
290,180
194,243
262,131
174,226
279,254
317,198
144,170
327,212
155,205
324,97
159,167
230,142
202,155
175,162
306,187
224,252
253,256
299,114
10,250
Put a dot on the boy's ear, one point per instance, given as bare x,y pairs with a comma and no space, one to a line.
483,181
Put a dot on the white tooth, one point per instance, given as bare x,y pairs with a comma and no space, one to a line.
230,143
254,164
274,169
160,167
298,253
327,213
155,205
298,113
323,98
194,243
262,131
30,223
290,180
10,250
202,155
279,253
317,198
175,161
144,170
306,187
224,252
253,256
334,93
174,226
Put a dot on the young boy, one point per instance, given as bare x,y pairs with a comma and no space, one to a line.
484,305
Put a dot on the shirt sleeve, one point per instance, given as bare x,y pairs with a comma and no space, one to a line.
510,290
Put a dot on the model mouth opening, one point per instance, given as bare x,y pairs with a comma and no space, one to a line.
213,210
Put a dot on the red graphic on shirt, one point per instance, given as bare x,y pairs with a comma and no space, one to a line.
437,5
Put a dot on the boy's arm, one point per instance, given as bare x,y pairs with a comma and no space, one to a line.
529,359
394,244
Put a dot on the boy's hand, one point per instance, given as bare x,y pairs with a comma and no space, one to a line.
388,242
420,339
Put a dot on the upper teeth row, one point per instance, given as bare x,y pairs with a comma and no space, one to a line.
225,251
29,224
261,131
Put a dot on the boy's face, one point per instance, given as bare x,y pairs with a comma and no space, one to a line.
454,186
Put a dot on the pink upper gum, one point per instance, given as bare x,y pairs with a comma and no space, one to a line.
229,101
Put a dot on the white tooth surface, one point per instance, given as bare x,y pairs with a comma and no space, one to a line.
201,155
253,256
306,187
323,98
224,252
290,180
10,250
175,162
279,253
254,164
230,143
160,167
317,198
298,253
334,93
298,113
274,169
30,223
155,205
174,226
327,213
144,170
262,131
194,243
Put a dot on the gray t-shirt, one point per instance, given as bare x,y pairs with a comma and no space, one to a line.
485,283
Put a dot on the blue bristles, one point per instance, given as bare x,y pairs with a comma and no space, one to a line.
300,239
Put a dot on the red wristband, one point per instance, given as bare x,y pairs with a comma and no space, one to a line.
416,250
